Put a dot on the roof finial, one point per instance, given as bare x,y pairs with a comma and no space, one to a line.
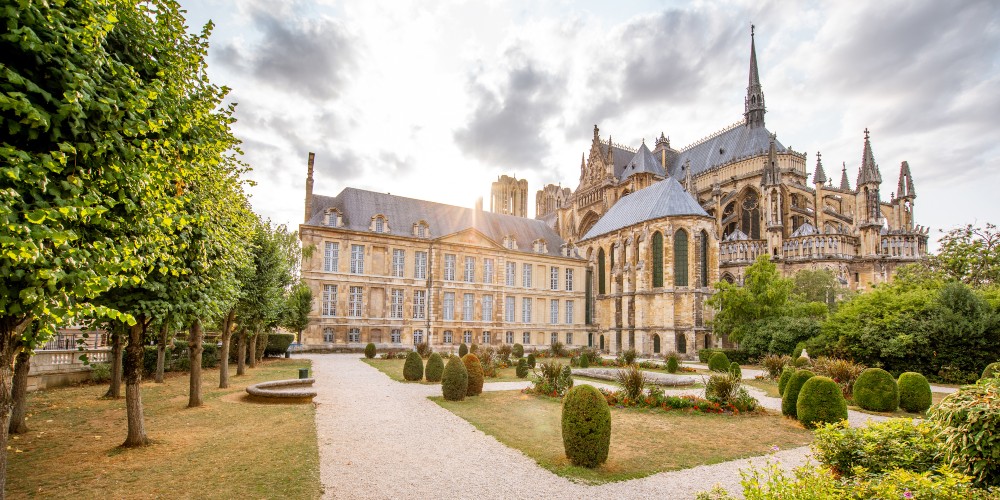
751,30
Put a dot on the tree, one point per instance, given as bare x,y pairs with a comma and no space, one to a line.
819,285
970,254
297,308
764,294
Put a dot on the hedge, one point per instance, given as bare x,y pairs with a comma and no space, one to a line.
734,355
277,343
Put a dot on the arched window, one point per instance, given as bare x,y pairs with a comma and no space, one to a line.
600,271
703,282
657,259
656,344
379,224
681,258
681,343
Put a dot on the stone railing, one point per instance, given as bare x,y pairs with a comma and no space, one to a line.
733,252
52,368
902,246
819,246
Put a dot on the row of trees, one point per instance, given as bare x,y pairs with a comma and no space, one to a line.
122,195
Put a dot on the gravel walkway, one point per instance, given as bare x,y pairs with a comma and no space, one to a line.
383,439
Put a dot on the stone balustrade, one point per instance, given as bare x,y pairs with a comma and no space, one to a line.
741,251
819,246
57,367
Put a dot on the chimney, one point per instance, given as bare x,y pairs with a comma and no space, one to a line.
309,187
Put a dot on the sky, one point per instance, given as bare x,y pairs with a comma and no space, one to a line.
436,99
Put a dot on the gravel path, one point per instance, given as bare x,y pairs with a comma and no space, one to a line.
383,439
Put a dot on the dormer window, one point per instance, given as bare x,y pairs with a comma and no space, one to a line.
333,218
380,224
421,230
509,242
539,246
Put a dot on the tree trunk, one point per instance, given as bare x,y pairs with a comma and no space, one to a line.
20,392
11,329
194,355
253,349
115,387
133,395
241,351
227,333
161,352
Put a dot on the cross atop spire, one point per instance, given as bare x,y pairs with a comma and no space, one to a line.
754,105
845,184
819,176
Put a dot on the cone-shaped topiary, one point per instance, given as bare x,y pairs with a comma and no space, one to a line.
463,350
914,392
475,370
584,360
735,371
435,368
455,381
719,362
786,375
672,364
790,398
370,350
991,370
518,351
522,368
875,390
820,402
586,426
413,367
531,360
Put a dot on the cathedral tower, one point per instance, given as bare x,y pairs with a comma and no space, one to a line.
509,196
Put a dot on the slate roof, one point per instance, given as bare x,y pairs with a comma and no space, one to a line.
730,144
621,159
643,161
358,206
662,199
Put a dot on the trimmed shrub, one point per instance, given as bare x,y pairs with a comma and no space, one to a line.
586,426
914,392
968,427
463,350
801,361
735,370
370,350
455,382
517,351
991,370
719,362
790,398
672,364
474,348
704,354
413,367
277,343
531,360
584,360
522,368
820,402
786,375
875,390
435,368
878,447
740,356
475,370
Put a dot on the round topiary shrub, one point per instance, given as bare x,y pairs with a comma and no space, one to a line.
786,375
820,402
672,364
586,426
463,350
370,350
435,368
790,398
719,362
875,390
475,369
531,360
455,381
518,351
991,370
735,371
413,367
522,368
914,392
800,361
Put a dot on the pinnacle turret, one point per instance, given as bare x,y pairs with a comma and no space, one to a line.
869,173
905,187
754,104
845,184
772,171
819,176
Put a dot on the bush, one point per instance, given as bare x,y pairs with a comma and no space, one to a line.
797,353
277,343
584,360
565,381
786,375
842,371
632,380
820,402
878,447
531,361
586,426
672,364
475,370
474,349
774,364
740,356
557,349
522,368
518,351
100,372
627,357
435,368
424,350
413,367
875,390
968,426
735,370
370,350
790,398
463,350
991,370
455,382
914,392
504,352
719,362
488,361
725,389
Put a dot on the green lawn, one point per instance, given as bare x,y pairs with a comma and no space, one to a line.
643,442
394,369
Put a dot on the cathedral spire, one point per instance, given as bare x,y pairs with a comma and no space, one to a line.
754,104
819,177
869,173
905,187
844,183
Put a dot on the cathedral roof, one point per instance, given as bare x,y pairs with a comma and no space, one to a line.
731,144
663,199
643,161
358,206
621,157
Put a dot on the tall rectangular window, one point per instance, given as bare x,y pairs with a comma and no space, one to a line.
357,259
398,261
448,336
569,338
354,335
553,278
354,304
419,304
508,309
569,312
553,338
526,310
569,280
467,307
487,302
510,337
526,338
488,271
449,305
396,306
470,269
331,256
553,311
449,267
418,336
396,336
511,272
329,300
420,265
467,336
526,275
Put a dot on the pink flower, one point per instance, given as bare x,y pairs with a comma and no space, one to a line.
907,494
775,448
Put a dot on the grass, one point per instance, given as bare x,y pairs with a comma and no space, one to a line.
769,387
394,369
643,442
225,449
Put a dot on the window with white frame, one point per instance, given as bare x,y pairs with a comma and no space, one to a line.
486,338
553,278
569,312
508,309
421,230
354,335
510,337
526,338
526,275
569,338
331,256
396,336
396,305
449,305
418,336
467,307
328,335
329,300
420,265
470,270
569,280
398,262
379,224
553,311
419,304
448,336
488,271
467,336
511,273
449,267
354,305
554,338
357,259
334,218
487,302
526,310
